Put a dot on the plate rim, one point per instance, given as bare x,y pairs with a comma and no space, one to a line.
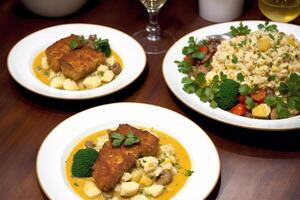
182,99
209,140
78,97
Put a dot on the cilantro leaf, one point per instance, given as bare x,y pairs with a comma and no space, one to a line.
131,139
117,139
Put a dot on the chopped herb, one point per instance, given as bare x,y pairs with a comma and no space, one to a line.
271,78
39,69
188,172
207,63
286,55
240,77
244,90
240,30
73,44
76,184
268,27
131,139
271,36
177,165
184,67
234,59
198,55
117,139
250,104
100,73
46,73
242,43
103,46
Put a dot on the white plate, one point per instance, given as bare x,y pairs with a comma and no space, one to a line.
173,80
58,144
21,57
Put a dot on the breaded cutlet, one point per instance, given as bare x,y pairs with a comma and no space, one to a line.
57,50
81,62
114,161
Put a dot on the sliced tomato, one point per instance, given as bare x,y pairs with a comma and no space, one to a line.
203,49
259,95
239,109
242,99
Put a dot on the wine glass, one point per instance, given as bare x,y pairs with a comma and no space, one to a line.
280,10
152,38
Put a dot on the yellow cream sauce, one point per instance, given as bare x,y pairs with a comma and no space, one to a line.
43,75
179,180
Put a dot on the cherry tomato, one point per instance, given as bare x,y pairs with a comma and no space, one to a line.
203,49
188,58
239,109
259,95
242,99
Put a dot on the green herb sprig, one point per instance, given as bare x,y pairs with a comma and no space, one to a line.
128,140
239,30
103,46
268,27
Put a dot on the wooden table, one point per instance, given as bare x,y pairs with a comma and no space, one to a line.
255,164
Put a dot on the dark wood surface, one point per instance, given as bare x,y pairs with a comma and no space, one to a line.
255,164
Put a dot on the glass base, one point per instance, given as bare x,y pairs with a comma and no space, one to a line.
151,46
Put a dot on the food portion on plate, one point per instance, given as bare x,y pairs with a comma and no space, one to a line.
128,163
77,63
255,74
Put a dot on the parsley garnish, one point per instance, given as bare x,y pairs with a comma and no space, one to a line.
234,59
131,139
128,140
271,77
240,77
286,55
188,172
103,46
117,139
268,27
240,30
250,104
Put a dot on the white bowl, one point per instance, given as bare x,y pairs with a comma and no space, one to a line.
53,8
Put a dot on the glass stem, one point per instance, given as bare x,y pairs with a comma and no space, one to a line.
153,28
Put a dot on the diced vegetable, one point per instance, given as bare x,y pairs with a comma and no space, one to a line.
239,109
129,189
259,95
154,190
261,111
145,180
263,44
91,190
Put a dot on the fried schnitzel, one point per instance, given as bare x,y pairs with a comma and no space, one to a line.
114,161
